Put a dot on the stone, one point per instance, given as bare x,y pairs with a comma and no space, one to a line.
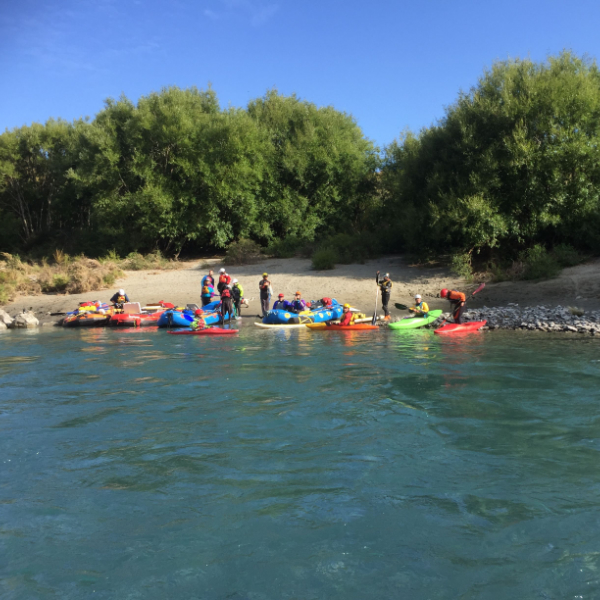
3,326
25,320
5,318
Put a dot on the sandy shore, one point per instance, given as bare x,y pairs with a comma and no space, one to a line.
576,286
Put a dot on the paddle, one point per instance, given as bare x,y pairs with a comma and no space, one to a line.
401,306
374,320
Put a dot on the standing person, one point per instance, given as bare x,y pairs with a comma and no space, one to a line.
224,281
421,308
208,288
457,301
226,304
298,305
264,286
237,291
385,285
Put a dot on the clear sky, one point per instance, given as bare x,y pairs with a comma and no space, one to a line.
391,64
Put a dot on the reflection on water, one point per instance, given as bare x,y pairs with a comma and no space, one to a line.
298,464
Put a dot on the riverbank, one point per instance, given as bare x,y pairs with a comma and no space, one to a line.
576,286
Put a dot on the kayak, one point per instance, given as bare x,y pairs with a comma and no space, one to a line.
334,327
209,331
282,326
415,322
460,327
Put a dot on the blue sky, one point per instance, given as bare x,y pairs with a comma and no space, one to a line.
391,64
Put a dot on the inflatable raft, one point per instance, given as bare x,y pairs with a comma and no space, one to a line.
86,319
455,328
415,322
320,315
185,318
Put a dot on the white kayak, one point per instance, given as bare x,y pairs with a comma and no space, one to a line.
281,326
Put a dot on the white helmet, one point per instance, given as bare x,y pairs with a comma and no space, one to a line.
234,281
417,296
221,270
121,292
387,274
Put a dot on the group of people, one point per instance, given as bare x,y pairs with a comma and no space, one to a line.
229,291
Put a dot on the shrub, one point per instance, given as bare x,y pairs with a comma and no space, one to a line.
324,259
57,282
538,264
289,247
350,249
567,256
243,252
461,265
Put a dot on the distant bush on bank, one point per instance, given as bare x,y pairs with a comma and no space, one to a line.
535,263
243,252
61,274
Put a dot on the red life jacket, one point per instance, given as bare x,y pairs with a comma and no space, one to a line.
224,278
226,293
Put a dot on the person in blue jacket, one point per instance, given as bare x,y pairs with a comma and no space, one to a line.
281,304
208,288
298,305
119,298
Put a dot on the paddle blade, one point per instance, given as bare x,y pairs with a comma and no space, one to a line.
478,289
400,306
374,319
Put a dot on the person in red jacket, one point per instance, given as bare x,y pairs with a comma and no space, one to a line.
457,301
224,281
226,304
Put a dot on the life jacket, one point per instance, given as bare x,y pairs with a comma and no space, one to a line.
224,278
207,290
455,296
327,303
226,293
121,299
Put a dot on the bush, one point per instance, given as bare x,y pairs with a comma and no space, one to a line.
324,259
138,262
58,282
567,256
350,249
243,252
538,264
461,265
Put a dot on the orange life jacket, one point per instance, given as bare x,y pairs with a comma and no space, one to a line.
455,296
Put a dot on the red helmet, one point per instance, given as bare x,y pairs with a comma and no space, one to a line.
199,311
280,296
443,293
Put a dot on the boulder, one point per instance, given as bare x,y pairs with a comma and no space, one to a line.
3,326
5,318
25,320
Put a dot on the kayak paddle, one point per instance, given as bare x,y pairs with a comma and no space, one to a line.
401,306
374,320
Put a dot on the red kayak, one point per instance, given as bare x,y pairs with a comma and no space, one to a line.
460,327
208,331
335,327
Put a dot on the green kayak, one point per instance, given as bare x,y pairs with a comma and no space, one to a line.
416,321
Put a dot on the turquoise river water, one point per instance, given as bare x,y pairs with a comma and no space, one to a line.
299,465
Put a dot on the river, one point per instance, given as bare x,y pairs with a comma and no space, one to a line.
299,465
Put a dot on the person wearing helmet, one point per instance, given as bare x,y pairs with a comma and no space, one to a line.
385,285
224,281
119,299
298,305
457,301
198,322
208,288
226,304
421,308
237,291
264,286
347,316
281,304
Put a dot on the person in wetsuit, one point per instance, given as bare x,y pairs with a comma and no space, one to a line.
457,301
385,286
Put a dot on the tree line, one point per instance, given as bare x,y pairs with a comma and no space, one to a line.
514,162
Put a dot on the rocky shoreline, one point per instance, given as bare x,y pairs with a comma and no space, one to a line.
533,318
